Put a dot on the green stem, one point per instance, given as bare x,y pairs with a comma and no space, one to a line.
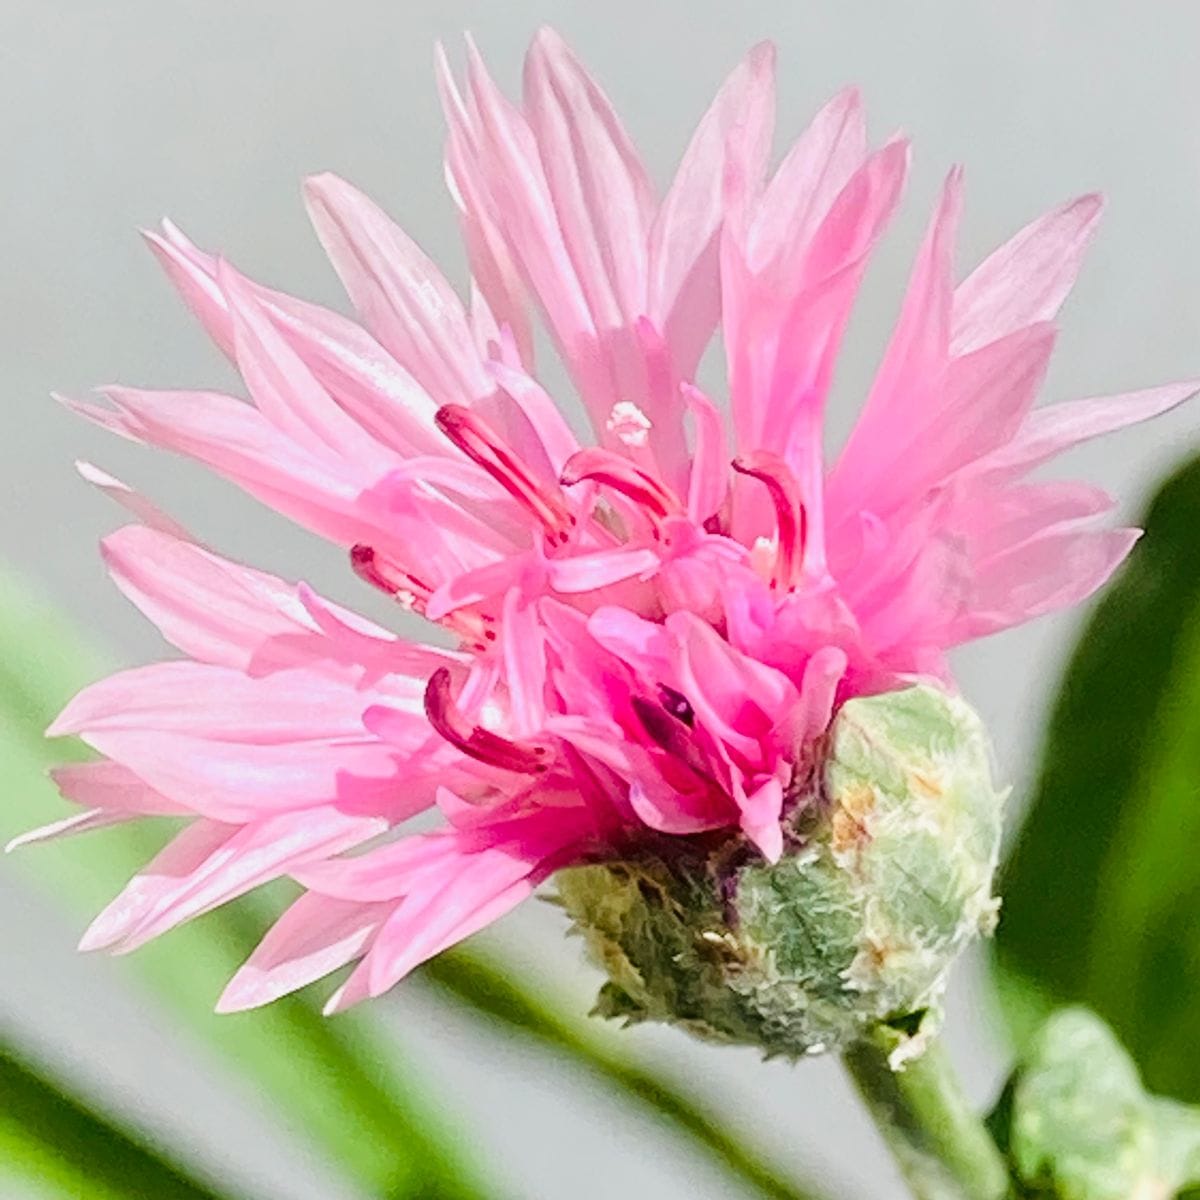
942,1147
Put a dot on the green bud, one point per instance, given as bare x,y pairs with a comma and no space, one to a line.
885,878
1077,1125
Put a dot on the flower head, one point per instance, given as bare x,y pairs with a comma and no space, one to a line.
646,637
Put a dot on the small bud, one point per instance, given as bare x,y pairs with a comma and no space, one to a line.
886,876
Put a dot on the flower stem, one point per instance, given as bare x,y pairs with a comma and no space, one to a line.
941,1145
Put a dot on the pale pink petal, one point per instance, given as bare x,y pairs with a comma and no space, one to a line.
237,441
761,810
177,860
110,786
284,389
708,480
1027,279
524,651
492,264
684,297
315,936
601,193
1054,570
401,296
221,703
600,569
219,611
520,197
249,857
816,168
1058,427
133,502
364,379
83,822
668,811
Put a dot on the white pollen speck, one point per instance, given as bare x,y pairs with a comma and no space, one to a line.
762,556
628,423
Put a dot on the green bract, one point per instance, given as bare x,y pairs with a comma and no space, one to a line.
885,877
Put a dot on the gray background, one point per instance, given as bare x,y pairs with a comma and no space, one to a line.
116,113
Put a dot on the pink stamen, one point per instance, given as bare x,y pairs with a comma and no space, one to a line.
610,469
413,592
480,443
380,572
482,744
790,517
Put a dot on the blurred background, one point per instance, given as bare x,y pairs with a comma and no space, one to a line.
118,113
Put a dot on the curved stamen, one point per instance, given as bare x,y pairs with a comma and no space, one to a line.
372,567
482,744
610,469
413,593
790,517
480,443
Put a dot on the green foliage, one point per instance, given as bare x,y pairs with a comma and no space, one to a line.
53,1139
1077,1124
1102,893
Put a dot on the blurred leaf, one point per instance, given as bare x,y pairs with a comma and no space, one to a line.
1077,1124
471,978
1102,892
54,1140
338,1082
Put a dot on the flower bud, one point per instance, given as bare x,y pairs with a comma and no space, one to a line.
890,850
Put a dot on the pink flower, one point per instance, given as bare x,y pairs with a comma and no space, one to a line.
649,632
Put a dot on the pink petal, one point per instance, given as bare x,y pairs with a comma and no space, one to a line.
237,441
1053,570
1050,431
160,899
400,295
315,936
601,193
684,297
149,514
817,167
364,379
1028,278
284,389
761,813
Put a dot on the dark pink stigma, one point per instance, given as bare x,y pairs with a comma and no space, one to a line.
790,517
611,470
377,570
479,743
480,443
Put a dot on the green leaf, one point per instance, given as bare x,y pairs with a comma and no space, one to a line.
1102,892
56,1141
1077,1124
472,979
339,1081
